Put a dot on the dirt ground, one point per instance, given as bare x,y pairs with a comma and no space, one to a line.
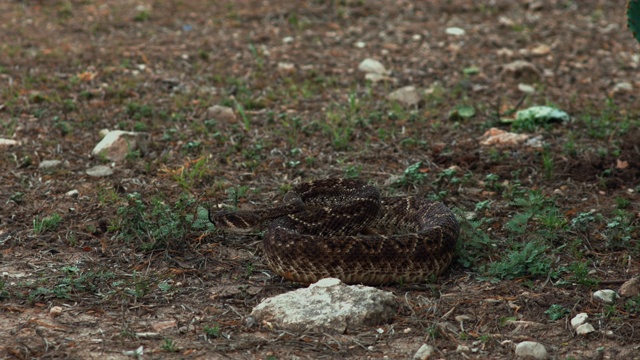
129,261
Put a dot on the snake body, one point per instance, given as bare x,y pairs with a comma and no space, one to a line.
343,228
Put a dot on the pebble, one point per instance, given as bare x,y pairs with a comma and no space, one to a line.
55,311
585,329
630,287
579,320
606,296
531,349
99,171
456,31
8,143
424,352
49,164
407,95
372,66
221,113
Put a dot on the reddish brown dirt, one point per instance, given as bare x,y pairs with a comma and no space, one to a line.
71,68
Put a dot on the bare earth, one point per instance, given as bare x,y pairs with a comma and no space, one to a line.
149,271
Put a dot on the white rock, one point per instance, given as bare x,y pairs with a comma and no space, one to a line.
521,69
73,193
117,144
579,320
456,31
283,67
407,95
372,66
622,87
55,311
360,44
462,348
630,287
99,171
222,113
48,164
328,305
585,329
288,39
8,143
424,352
498,137
526,88
607,296
531,349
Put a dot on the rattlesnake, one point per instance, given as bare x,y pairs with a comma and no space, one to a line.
343,228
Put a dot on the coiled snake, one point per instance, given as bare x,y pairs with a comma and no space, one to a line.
343,228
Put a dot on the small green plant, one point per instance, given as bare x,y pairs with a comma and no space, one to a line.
234,194
158,223
547,164
580,274
257,57
633,305
557,312
352,171
48,223
169,346
213,331
622,203
3,293
413,175
143,14
138,111
529,259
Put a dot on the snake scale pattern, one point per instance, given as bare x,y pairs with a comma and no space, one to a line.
343,228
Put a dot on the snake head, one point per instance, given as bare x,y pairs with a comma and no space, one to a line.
240,222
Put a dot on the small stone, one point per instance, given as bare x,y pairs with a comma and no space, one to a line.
117,144
622,87
49,164
288,39
521,69
531,349
505,21
526,88
607,296
498,137
424,352
73,193
456,31
541,49
222,113
55,311
372,66
630,288
462,348
579,320
407,95
99,171
585,329
360,45
4,143
283,67
462,318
